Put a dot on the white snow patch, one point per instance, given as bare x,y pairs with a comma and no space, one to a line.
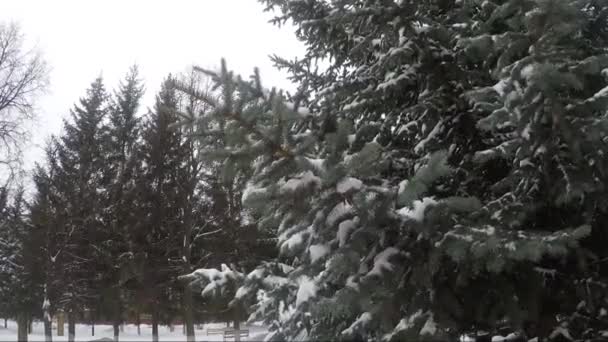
382,263
304,179
362,321
430,327
420,146
417,213
251,190
344,229
275,281
526,132
347,184
527,71
500,87
293,241
317,163
337,212
404,324
317,252
307,289
487,230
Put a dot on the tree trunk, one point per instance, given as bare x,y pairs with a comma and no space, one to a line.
237,326
47,319
116,326
48,327
138,322
188,316
30,325
22,327
154,325
188,320
5,323
71,326
60,323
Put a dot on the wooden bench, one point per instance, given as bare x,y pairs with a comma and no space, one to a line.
232,334
215,332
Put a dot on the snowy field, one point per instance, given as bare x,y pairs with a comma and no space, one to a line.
105,332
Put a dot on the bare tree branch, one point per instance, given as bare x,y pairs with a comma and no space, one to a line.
23,77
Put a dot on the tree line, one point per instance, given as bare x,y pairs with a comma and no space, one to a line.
439,172
123,205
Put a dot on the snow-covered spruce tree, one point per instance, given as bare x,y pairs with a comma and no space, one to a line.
547,123
156,242
77,179
120,214
341,225
20,279
456,246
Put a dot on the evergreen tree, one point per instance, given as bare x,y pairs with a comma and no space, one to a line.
119,201
388,212
79,180
20,283
47,218
545,117
156,241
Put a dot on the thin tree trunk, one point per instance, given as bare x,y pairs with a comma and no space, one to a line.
154,325
30,325
5,323
237,326
60,323
116,326
47,319
71,326
188,320
188,316
48,328
22,327
138,322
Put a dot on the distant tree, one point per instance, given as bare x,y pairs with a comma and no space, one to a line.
79,179
158,239
23,77
48,216
21,282
119,216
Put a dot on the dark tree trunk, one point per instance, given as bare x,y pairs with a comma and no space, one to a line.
22,327
71,326
138,322
154,325
5,324
92,324
48,328
188,316
116,328
237,326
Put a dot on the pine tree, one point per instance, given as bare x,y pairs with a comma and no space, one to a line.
546,121
157,237
46,215
120,172
20,284
392,193
79,180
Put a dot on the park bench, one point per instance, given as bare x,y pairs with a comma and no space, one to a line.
232,334
215,332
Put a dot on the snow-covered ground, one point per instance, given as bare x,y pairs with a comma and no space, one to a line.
83,333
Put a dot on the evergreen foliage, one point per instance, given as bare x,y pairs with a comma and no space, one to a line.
442,175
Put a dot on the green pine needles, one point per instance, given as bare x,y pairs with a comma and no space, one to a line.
442,174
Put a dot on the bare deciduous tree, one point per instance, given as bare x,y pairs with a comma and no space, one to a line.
23,77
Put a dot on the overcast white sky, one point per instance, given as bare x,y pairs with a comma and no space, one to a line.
82,38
